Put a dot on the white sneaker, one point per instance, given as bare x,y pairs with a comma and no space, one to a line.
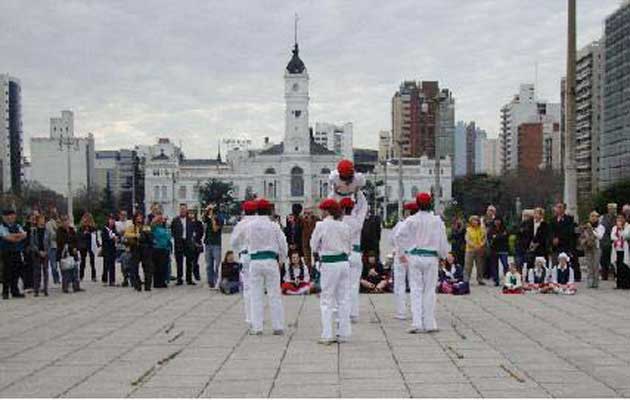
326,342
401,317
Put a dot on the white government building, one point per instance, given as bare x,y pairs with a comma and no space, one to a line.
293,172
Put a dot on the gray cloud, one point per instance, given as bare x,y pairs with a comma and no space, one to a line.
197,71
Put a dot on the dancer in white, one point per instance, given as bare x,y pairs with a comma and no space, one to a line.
343,181
423,239
354,216
401,270
239,245
267,247
331,243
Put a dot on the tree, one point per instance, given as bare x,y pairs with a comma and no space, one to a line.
221,194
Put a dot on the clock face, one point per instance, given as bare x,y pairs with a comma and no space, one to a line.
296,87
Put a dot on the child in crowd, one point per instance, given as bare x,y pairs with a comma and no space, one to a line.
374,279
513,283
451,277
295,276
230,271
539,277
563,279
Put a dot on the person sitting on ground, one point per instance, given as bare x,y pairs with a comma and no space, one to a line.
451,277
563,278
513,283
538,277
295,276
230,272
374,279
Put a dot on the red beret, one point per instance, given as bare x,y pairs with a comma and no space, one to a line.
411,206
249,206
423,199
263,204
345,168
346,202
328,204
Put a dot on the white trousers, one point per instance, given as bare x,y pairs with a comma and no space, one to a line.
356,267
423,273
335,284
246,288
265,274
400,287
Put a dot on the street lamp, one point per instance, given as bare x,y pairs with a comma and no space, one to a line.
68,143
437,192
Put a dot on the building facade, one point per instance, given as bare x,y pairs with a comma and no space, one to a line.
11,135
336,138
588,119
119,172
530,139
414,111
471,147
385,147
49,157
614,143
459,158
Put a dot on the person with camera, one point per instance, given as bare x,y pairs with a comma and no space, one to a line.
212,242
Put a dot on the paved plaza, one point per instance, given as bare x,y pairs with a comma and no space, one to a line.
192,342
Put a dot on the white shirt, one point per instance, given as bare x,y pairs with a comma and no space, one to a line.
296,274
356,218
331,237
342,188
262,234
392,237
599,232
238,237
536,226
422,230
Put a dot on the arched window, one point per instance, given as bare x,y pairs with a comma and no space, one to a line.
414,191
297,182
271,191
325,171
270,171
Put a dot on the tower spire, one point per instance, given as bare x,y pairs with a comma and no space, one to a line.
295,29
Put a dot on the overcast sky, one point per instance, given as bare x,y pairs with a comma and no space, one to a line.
198,71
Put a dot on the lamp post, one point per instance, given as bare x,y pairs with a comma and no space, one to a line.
570,174
401,188
68,143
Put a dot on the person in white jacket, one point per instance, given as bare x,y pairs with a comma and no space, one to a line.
239,245
620,255
401,269
331,243
344,181
422,238
267,247
354,216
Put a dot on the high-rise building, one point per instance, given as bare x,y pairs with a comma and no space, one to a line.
489,150
118,172
337,138
552,149
471,147
50,162
530,140
459,158
614,143
524,108
10,134
414,108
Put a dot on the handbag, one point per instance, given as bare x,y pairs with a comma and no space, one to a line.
67,262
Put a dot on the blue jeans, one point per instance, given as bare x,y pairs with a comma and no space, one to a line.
494,268
52,261
213,263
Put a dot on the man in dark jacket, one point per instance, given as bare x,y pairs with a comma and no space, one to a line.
182,231
12,238
539,245
563,238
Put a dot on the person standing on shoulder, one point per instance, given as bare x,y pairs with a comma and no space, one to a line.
267,247
354,216
401,270
423,239
332,243
240,246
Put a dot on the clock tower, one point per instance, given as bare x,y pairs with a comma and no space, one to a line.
297,138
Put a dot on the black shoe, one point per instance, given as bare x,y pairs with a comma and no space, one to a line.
481,283
18,295
191,283
125,284
46,293
179,283
79,290
65,290
6,296
36,294
147,289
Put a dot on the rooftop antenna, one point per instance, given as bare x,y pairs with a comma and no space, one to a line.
295,28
